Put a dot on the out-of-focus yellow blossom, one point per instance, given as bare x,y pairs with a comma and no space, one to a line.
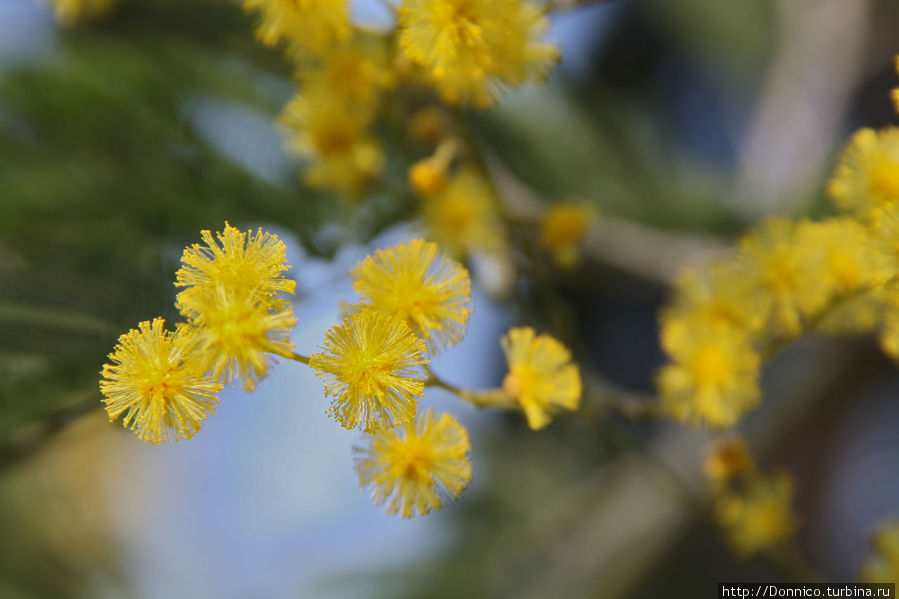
838,251
303,25
370,366
883,566
541,378
718,297
333,136
562,228
428,176
354,73
463,217
350,173
868,174
74,12
779,267
522,54
412,467
760,517
430,125
417,284
237,334
713,377
884,243
728,458
245,263
158,382
472,49
856,314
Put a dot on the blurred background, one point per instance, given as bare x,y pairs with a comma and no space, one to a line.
689,120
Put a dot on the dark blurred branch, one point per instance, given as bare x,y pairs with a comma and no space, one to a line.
809,85
645,252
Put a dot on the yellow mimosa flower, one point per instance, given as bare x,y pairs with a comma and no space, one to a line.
410,468
370,366
541,378
416,283
157,382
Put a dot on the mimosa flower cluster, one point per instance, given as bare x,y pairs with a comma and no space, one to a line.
467,52
753,509
836,275
413,302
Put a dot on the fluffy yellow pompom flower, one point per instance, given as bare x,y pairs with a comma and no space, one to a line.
320,124
867,176
761,516
472,49
354,73
562,228
158,382
304,25
333,136
838,251
410,468
884,233
369,365
74,12
414,282
245,263
780,269
463,217
883,566
237,334
713,377
541,378
717,297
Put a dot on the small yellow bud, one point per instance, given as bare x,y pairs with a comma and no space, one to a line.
427,177
728,458
562,229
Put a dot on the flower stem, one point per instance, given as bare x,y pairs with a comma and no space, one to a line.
490,398
298,358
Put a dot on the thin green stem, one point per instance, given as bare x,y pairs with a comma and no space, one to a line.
490,398
297,357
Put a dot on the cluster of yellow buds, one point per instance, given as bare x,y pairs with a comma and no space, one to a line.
467,51
836,275
355,82
753,508
413,303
